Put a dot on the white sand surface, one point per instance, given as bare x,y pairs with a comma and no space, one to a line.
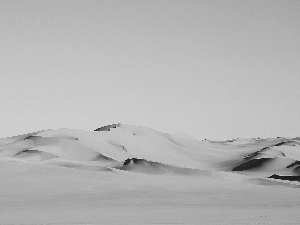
127,174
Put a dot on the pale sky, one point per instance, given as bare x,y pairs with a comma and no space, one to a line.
212,69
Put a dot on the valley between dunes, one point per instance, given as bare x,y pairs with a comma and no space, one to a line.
125,174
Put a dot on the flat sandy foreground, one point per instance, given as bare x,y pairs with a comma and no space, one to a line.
53,177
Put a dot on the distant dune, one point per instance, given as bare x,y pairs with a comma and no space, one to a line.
149,151
128,168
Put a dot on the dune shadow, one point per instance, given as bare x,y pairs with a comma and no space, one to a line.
290,178
251,164
149,167
108,127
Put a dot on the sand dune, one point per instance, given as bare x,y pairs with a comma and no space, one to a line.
127,167
152,151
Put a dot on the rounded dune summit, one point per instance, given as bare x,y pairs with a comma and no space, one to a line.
140,149
116,172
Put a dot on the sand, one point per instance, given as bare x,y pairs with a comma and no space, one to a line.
124,174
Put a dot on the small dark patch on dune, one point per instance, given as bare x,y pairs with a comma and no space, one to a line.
295,166
254,154
134,160
29,137
290,178
288,143
260,152
13,139
281,143
251,164
297,163
29,153
251,155
118,146
149,167
103,157
108,127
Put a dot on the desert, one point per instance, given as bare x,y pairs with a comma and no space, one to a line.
125,174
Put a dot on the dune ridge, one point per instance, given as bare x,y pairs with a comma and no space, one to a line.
137,149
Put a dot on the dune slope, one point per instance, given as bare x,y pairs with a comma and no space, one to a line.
126,169
120,142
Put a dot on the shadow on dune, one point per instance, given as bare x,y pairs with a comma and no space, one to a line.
288,143
290,178
101,157
35,155
149,167
295,166
251,164
108,127
10,140
271,182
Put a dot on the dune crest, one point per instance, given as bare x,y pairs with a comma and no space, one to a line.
145,150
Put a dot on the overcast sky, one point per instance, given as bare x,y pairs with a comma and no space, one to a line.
212,69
